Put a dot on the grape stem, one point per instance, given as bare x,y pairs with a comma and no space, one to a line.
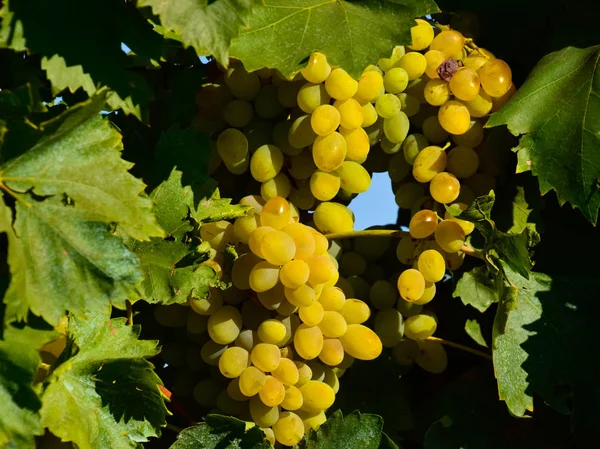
471,252
174,428
482,354
367,233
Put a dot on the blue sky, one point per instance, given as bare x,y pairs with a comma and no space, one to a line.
376,206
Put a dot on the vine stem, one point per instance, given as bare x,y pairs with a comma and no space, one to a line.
476,352
174,428
471,252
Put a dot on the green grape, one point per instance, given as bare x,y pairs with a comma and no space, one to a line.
317,69
277,247
206,392
287,94
369,86
325,119
369,114
411,285
267,103
240,272
359,286
389,327
357,144
310,96
302,296
271,331
421,35
420,327
465,84
463,162
286,308
301,133
238,113
266,162
302,166
450,236
432,265
242,84
383,295
322,270
389,147
496,77
173,315
233,361
405,352
332,218
414,63
467,226
211,351
264,276
265,356
433,131
429,162
317,396
324,186
232,146
388,63
454,117
434,58
256,237
444,187
304,239
258,132
405,251
423,224
329,151
388,106
480,106
472,138
340,85
410,104
396,128
301,196
432,357
332,353
428,294
355,311
196,323
350,113
398,168
375,131
289,429
229,406
437,92
247,338
332,298
408,309
449,42
408,193
333,324
207,306
276,213
217,234
294,274
412,145
311,315
272,392
263,415
352,264
361,342
280,138
280,185
244,226
353,177
308,341
224,325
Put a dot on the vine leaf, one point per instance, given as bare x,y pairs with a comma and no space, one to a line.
537,350
558,111
478,288
215,209
104,393
351,34
68,188
172,204
207,26
19,358
221,432
356,431
473,330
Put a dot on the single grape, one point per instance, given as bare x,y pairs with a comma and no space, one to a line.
211,352
264,276
322,270
232,146
369,114
329,151
434,58
317,69
340,85
289,429
389,326
408,193
395,80
311,315
333,218
388,106
333,324
302,296
272,392
432,357
310,96
421,34
294,273
242,84
280,185
481,105
450,236
428,294
355,311
444,187
414,63
357,144
396,128
369,86
496,77
332,353
454,117
308,341
324,186
277,247
437,92
325,119
350,113
238,113
429,162
433,131
266,163
412,145
465,84
225,325
271,331
463,162
420,327
276,213
301,133
473,137
353,177
411,285
432,265
449,42
233,362
361,342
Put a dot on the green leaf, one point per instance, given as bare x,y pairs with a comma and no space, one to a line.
215,209
19,359
351,34
473,330
558,111
221,432
173,204
68,188
538,350
207,26
356,430
478,288
105,393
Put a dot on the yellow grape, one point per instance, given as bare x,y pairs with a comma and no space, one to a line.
301,133
325,185
277,247
254,201
432,357
437,92
308,341
266,357
310,96
434,58
396,128
304,373
321,268
293,398
420,327
450,236
240,273
444,187
289,429
287,372
361,342
355,311
317,396
369,86
496,77
264,276
280,185
463,162
256,237
207,306
395,80
432,265
266,163
276,213
333,324
481,105
357,143
465,84
332,298
429,162
332,218
474,61
449,42
454,117
428,294
233,362
304,238
217,234
329,151
388,63
271,331
294,273
332,353
467,226
225,325
244,226
302,296
433,131
325,119
389,326
340,85
317,69
354,177
369,114
350,113
311,315
414,63
251,381
411,285
421,34
263,415
272,392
